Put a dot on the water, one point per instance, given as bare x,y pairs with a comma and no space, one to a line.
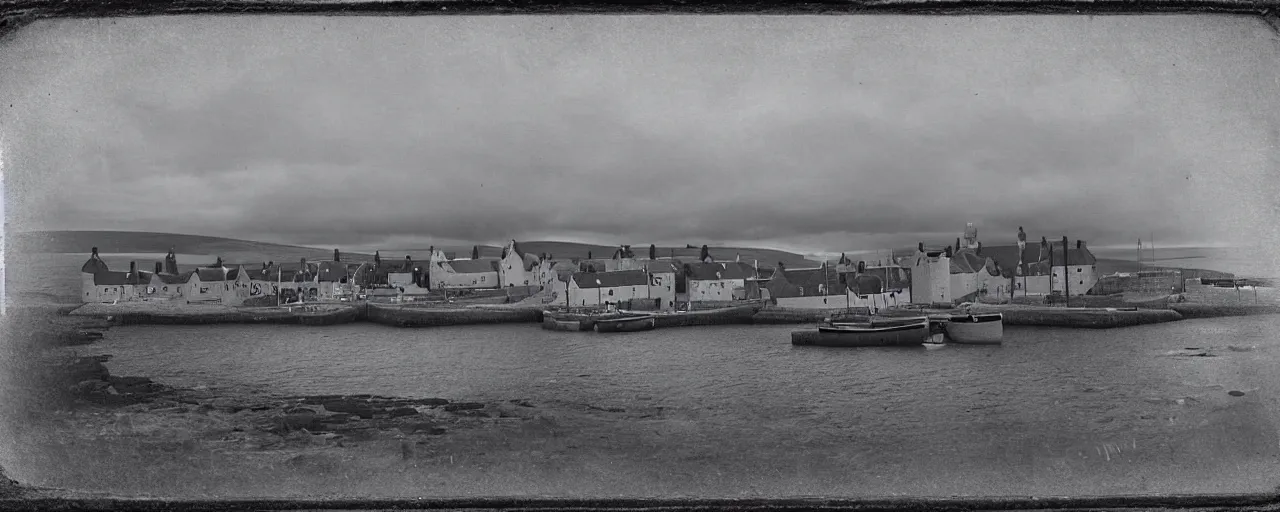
1028,417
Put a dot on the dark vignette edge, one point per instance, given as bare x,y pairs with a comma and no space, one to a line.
15,14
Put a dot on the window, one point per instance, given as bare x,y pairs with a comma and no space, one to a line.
610,293
482,279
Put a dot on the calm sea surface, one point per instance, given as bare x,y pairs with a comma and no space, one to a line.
1033,413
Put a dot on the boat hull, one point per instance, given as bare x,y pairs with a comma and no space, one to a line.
976,329
625,325
871,336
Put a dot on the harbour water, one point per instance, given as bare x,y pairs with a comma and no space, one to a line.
743,412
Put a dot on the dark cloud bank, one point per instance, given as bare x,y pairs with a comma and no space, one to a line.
817,133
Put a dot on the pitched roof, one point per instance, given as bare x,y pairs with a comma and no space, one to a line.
211,274
479,266
170,278
611,279
331,271
1006,256
717,271
141,277
660,267
791,282
94,265
530,261
109,278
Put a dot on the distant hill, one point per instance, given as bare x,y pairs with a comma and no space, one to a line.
247,251
570,250
230,250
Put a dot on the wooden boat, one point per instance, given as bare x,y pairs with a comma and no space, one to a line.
976,328
566,325
629,324
869,335
875,321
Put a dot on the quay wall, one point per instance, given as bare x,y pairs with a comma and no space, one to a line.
1193,310
439,317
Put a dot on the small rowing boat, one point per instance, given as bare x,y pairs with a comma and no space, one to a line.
871,335
976,328
629,324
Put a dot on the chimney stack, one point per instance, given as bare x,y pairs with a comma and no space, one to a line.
920,247
1079,244
335,255
159,266
95,253
133,267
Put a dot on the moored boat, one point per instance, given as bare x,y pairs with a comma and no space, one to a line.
629,324
976,328
565,325
870,335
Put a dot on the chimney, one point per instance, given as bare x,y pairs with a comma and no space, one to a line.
158,267
95,253
920,247
133,267
335,255
303,270
1079,244
948,251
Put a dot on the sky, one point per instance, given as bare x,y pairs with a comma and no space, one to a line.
804,133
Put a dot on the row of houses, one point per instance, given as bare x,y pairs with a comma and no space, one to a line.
928,275
958,275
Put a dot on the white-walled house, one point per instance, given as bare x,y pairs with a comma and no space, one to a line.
930,276
662,282
516,268
1031,274
206,285
720,282
448,274
165,286
597,288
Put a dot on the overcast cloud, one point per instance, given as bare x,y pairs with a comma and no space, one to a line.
792,132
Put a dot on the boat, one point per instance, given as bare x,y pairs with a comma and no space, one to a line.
875,321
976,328
871,335
629,324
566,325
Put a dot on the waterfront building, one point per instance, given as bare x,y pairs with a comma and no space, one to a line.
662,282
720,282
206,285
332,279
973,274
516,268
931,275
446,274
1030,273
164,285
607,288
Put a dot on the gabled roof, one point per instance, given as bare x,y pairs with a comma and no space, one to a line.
170,278
611,279
531,262
1006,256
660,267
109,278
718,271
479,266
790,282
140,277
94,265
210,274
331,271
